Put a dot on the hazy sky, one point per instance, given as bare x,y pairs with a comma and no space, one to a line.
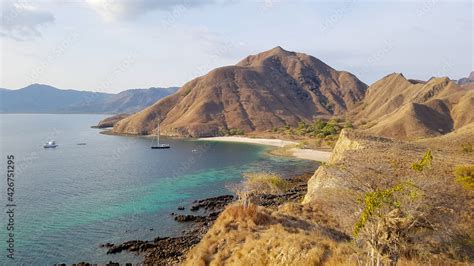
111,45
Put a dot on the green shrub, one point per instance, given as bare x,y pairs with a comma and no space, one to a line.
464,175
231,132
319,128
467,147
373,201
262,182
424,162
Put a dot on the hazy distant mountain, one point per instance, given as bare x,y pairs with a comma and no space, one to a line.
271,89
38,98
469,79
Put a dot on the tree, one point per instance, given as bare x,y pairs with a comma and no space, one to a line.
257,184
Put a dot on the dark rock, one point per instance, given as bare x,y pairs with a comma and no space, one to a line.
211,204
133,245
106,245
181,208
189,218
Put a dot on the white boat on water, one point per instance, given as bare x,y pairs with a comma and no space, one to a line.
159,145
50,144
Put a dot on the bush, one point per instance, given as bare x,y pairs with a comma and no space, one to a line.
424,162
262,182
467,147
231,132
319,128
464,175
257,184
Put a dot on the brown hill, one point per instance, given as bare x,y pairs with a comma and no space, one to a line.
271,89
401,108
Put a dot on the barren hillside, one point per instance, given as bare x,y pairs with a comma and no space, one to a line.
271,89
407,109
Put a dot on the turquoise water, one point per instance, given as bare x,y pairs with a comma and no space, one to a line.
74,198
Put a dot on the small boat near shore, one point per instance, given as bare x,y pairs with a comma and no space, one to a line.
50,144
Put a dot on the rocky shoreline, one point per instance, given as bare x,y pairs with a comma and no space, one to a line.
172,250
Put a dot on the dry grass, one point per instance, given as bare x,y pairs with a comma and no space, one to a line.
263,182
465,176
447,207
259,236
316,233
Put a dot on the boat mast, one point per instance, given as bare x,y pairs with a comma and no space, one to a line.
158,134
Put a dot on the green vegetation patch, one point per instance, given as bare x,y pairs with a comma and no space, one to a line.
319,128
467,147
425,162
231,132
464,175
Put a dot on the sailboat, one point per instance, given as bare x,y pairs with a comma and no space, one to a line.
158,145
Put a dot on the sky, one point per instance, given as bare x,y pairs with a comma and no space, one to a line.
113,45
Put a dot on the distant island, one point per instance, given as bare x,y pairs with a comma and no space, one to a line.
39,98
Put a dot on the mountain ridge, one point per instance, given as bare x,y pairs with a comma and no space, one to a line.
398,108
41,98
274,88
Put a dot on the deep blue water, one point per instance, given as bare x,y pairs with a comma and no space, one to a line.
73,198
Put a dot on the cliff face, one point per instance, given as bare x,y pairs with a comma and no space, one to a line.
329,177
271,89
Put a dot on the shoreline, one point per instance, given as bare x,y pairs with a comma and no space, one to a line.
289,146
306,154
200,215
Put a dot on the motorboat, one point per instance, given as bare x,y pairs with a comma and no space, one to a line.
50,144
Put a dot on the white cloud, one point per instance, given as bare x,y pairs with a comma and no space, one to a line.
113,10
20,20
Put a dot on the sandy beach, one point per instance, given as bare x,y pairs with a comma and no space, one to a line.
307,154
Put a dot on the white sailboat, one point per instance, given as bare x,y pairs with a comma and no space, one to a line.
158,144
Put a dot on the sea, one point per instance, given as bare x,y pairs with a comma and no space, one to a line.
68,201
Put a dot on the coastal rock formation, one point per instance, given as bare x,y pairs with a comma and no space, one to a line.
405,109
173,250
271,89
110,121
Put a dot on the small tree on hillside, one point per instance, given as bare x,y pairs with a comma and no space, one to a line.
392,218
257,184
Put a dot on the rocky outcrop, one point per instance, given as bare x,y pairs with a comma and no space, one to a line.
110,121
327,176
